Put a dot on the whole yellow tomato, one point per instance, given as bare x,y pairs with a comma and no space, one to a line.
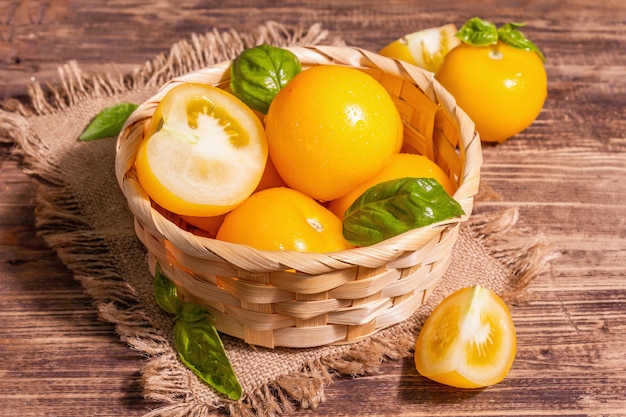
400,165
501,86
330,129
281,218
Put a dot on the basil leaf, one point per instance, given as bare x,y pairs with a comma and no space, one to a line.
192,312
196,340
396,206
509,34
201,350
478,32
165,292
259,73
108,122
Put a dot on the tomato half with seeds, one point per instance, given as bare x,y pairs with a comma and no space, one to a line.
468,341
204,152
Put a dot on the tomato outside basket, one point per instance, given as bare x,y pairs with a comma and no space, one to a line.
293,299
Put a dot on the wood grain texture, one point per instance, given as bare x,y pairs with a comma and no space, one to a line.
565,173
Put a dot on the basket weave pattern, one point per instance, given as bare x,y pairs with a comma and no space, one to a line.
273,298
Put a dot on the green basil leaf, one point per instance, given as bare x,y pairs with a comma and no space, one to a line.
259,73
396,206
478,32
108,122
191,312
165,292
509,34
196,340
201,350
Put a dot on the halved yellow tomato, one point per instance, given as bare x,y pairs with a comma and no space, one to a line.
204,152
468,341
425,48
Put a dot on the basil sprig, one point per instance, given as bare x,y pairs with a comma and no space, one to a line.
396,206
196,339
108,122
479,32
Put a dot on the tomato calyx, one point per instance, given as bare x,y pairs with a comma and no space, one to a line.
479,32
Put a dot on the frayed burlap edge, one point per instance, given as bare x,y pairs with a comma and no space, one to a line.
83,251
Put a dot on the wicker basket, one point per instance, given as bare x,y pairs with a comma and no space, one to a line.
273,298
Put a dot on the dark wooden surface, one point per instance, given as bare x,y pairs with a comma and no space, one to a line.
565,173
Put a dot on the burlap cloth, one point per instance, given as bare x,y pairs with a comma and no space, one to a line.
83,216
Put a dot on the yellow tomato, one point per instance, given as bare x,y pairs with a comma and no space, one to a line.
204,151
468,341
283,219
331,128
398,166
500,87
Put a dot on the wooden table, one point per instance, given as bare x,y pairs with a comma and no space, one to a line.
565,173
